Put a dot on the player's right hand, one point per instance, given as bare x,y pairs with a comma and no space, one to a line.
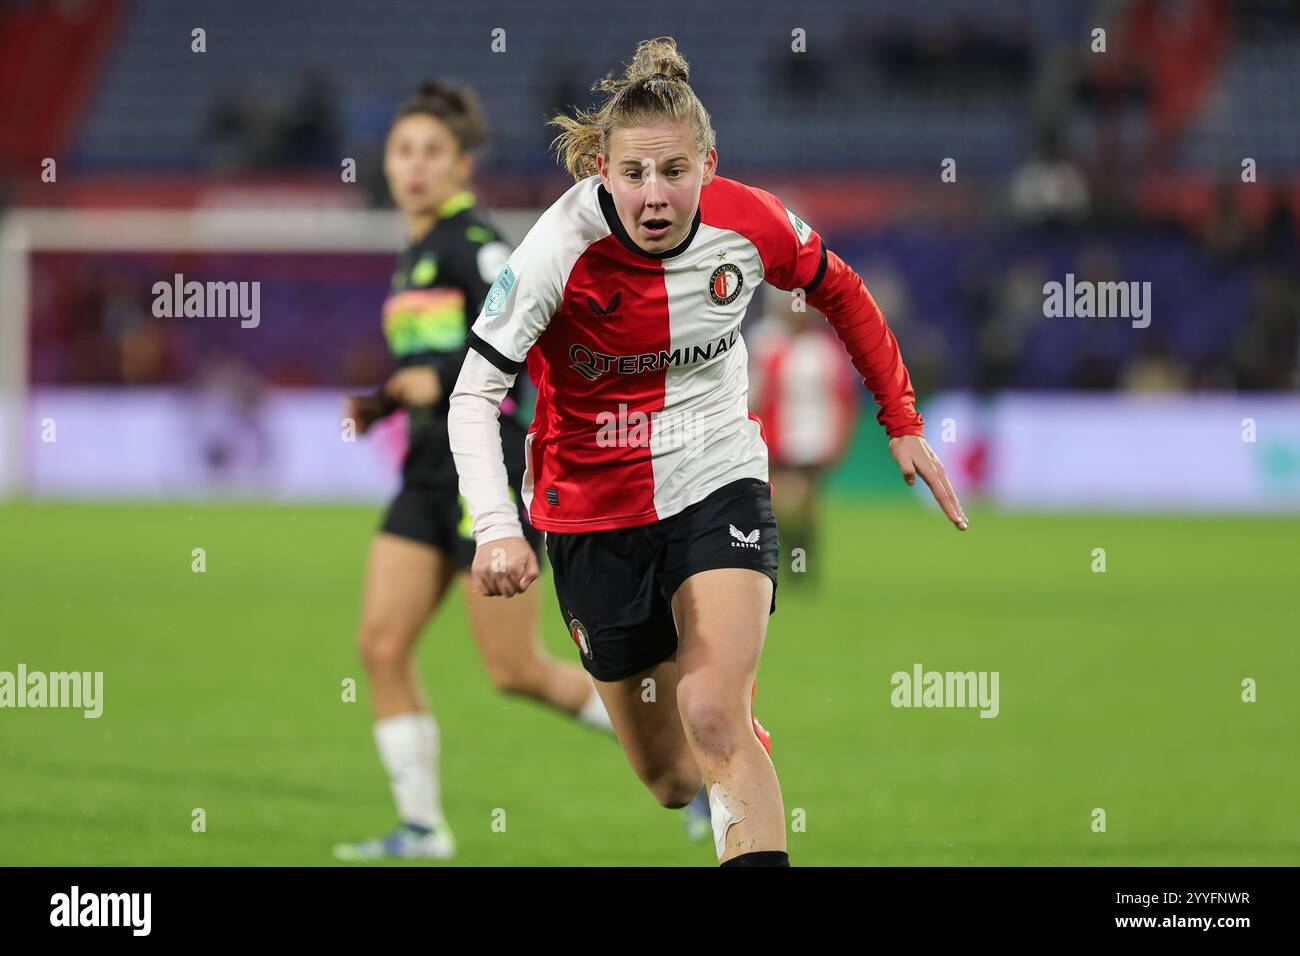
364,410
504,567
915,457
416,385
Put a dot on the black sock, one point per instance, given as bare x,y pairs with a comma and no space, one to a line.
760,858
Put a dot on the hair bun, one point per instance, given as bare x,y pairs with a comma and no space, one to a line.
453,103
654,86
669,70
658,57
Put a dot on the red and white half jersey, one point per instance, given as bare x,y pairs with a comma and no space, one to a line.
802,390
638,361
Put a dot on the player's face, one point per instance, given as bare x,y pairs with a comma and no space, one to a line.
655,174
423,163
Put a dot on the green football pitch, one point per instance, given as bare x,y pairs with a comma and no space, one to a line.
1119,691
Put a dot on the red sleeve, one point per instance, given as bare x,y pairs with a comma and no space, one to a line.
795,258
789,248
857,320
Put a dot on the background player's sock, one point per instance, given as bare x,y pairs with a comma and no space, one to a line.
408,746
593,713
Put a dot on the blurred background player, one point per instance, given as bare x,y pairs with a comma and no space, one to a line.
807,400
437,288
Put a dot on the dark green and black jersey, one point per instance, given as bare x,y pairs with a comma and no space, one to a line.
437,292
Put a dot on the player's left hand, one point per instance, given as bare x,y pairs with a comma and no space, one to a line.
915,457
417,385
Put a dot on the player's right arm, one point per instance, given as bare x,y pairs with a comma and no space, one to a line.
795,250
366,408
517,309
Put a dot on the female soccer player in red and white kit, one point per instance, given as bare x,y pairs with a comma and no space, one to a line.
644,467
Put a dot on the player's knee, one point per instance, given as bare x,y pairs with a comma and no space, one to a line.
383,646
716,730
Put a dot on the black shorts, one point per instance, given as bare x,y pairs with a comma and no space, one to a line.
429,508
437,516
616,587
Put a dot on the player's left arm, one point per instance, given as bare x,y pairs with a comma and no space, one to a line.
833,288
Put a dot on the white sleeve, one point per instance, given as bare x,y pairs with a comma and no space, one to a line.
519,306
525,296
474,427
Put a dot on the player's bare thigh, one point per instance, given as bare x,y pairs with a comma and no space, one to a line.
405,581
721,618
508,632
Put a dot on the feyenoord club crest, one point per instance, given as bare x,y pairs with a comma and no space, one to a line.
579,635
725,283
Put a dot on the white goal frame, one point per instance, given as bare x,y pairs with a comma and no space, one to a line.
24,231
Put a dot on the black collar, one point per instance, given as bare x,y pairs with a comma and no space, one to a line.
616,227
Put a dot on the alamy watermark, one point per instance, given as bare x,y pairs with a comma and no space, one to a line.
1102,300
208,300
78,690
656,430
922,688
75,908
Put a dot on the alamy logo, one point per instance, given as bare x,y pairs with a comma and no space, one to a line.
923,688
179,299
78,690
102,909
1102,300
743,540
659,431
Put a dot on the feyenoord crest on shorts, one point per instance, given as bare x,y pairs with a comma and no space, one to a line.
579,635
